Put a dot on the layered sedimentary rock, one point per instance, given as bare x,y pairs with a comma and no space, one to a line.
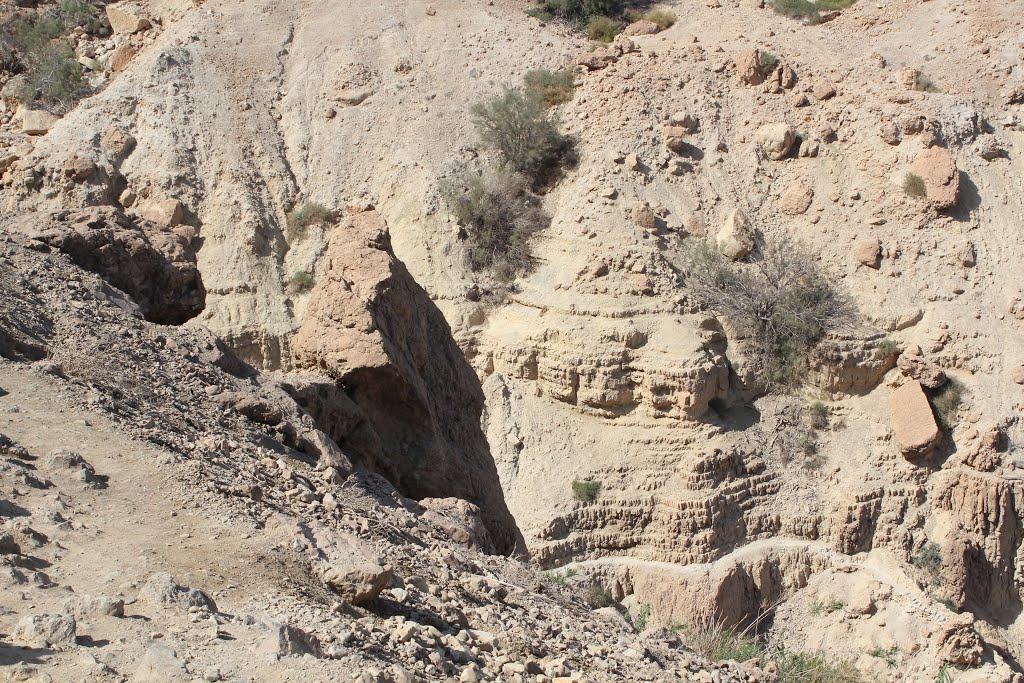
415,403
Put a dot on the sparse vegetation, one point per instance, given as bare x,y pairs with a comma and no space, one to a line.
603,29
662,17
307,215
944,676
817,415
769,63
516,125
51,76
923,83
540,14
888,347
946,401
552,87
300,282
80,13
890,656
914,186
929,560
711,639
781,304
808,10
640,619
560,578
580,11
498,214
586,491
598,596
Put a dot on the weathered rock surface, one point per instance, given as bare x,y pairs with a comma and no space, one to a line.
735,238
775,140
941,176
912,420
374,330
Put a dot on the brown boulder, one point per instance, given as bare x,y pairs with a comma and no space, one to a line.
735,237
167,212
748,67
122,56
924,371
937,168
775,140
644,27
868,252
371,328
912,420
127,18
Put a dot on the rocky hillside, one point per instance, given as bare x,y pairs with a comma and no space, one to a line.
274,174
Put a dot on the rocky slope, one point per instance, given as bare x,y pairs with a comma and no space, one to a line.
601,366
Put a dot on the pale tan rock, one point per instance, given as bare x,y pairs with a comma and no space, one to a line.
775,140
127,18
122,56
37,121
694,224
748,67
735,238
796,199
1017,374
167,212
912,420
941,177
643,27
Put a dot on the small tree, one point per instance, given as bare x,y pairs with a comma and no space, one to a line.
517,126
51,75
780,303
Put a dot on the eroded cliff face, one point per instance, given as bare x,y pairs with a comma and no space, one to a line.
403,401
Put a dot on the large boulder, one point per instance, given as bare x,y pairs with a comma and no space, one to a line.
286,640
735,237
414,399
152,264
937,168
46,630
161,590
775,140
913,421
37,121
748,67
796,199
127,18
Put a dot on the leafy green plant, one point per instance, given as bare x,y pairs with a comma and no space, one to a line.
946,401
539,13
888,655
598,596
80,13
780,304
944,676
551,87
300,282
586,491
817,415
499,214
560,578
307,215
579,11
516,125
603,29
914,186
643,615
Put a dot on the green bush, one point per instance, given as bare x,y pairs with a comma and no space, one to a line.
817,415
516,125
914,186
52,76
300,282
808,10
551,87
310,213
642,617
560,578
579,11
586,491
498,213
781,304
603,29
769,62
80,13
539,13
929,560
888,347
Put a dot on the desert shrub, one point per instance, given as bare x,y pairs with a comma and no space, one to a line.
781,304
662,17
300,282
579,11
710,638
808,10
944,676
515,124
586,491
539,13
817,415
769,62
309,214
946,401
929,560
603,29
551,87
810,667
888,347
640,619
51,75
914,186
76,13
598,596
560,578
924,84
890,656
498,213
